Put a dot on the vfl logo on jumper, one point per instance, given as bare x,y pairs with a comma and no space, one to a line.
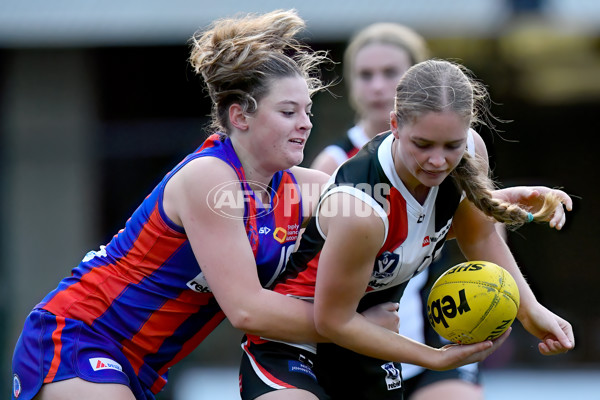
392,378
447,307
100,363
228,199
385,270
199,284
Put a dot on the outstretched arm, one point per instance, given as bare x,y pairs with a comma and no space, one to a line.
220,244
479,240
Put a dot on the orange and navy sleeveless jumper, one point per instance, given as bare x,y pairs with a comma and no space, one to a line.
145,291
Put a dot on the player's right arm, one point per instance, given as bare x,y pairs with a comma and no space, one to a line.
223,251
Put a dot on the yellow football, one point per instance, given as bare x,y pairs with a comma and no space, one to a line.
472,302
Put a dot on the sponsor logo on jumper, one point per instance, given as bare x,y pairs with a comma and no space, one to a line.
421,218
280,234
92,254
263,230
100,363
426,241
16,386
292,232
283,235
392,378
199,284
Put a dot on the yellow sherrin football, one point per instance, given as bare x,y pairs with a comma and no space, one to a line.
472,302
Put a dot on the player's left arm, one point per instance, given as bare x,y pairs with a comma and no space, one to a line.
479,240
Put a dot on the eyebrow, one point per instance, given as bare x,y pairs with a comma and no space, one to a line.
295,103
432,141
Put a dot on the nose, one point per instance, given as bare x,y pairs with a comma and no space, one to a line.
305,122
437,159
378,82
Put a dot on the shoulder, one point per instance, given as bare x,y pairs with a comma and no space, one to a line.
189,188
345,215
196,171
309,176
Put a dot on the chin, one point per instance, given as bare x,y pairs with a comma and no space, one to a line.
290,162
297,158
430,181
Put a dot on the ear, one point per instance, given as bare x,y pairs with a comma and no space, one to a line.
394,124
237,117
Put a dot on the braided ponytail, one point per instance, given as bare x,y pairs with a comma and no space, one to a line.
439,86
472,178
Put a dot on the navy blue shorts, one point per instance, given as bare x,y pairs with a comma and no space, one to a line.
53,348
268,366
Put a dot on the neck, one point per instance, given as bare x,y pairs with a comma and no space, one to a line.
415,188
256,176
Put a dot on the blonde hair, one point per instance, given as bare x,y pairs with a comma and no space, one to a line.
472,177
238,58
390,33
440,86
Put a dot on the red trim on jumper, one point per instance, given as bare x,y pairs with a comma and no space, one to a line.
60,324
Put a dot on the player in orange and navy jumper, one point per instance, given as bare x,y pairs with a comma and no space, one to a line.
137,306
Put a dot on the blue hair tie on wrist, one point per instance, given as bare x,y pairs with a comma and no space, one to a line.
529,217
